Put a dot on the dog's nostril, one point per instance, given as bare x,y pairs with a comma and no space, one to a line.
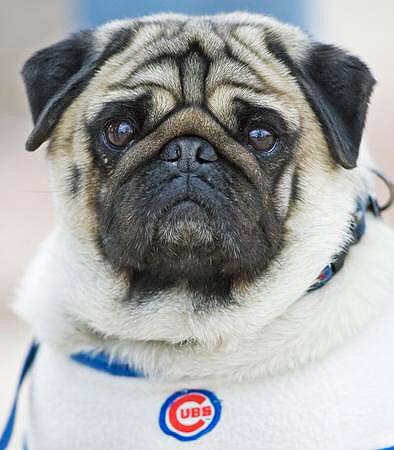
188,152
171,152
206,153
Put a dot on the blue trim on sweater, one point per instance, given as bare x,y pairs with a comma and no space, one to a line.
102,363
9,427
97,361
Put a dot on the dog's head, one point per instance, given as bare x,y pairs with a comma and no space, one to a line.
196,153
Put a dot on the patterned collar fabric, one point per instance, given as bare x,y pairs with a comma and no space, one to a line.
357,230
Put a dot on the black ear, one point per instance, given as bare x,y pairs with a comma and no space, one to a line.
53,77
56,75
338,87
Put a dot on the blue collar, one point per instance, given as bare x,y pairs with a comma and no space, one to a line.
357,230
103,363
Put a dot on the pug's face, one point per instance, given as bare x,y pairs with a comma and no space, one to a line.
184,147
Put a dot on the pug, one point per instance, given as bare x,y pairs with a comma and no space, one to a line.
219,276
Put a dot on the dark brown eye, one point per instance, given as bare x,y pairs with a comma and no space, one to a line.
119,133
261,139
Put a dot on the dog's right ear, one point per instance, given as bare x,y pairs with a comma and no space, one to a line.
54,77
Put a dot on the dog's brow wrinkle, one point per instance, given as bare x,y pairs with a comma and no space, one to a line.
121,87
234,85
144,48
250,54
163,46
235,56
164,73
227,71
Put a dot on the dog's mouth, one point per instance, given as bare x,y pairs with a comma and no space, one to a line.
184,214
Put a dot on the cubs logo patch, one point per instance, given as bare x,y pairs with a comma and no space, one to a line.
189,414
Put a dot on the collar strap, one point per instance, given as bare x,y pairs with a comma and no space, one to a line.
357,230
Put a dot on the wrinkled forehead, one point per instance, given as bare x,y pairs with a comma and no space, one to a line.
197,63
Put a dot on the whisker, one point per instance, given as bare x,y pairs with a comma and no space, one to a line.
40,192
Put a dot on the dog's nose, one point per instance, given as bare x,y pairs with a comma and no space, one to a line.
188,152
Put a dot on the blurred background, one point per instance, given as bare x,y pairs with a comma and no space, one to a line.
26,26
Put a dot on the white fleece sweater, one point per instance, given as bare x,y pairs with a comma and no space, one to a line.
344,402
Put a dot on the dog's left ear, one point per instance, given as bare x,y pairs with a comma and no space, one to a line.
56,75
338,87
53,77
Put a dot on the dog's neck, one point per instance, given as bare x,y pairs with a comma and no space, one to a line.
283,328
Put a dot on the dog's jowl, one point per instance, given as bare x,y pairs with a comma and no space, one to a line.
219,276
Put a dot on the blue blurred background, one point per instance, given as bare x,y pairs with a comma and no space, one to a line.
95,12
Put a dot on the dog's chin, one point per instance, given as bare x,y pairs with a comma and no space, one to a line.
184,244
184,228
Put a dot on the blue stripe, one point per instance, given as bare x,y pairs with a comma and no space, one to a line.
9,427
102,362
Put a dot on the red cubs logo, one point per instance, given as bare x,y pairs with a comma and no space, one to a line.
189,414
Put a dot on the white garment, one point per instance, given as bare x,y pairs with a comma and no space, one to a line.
343,402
